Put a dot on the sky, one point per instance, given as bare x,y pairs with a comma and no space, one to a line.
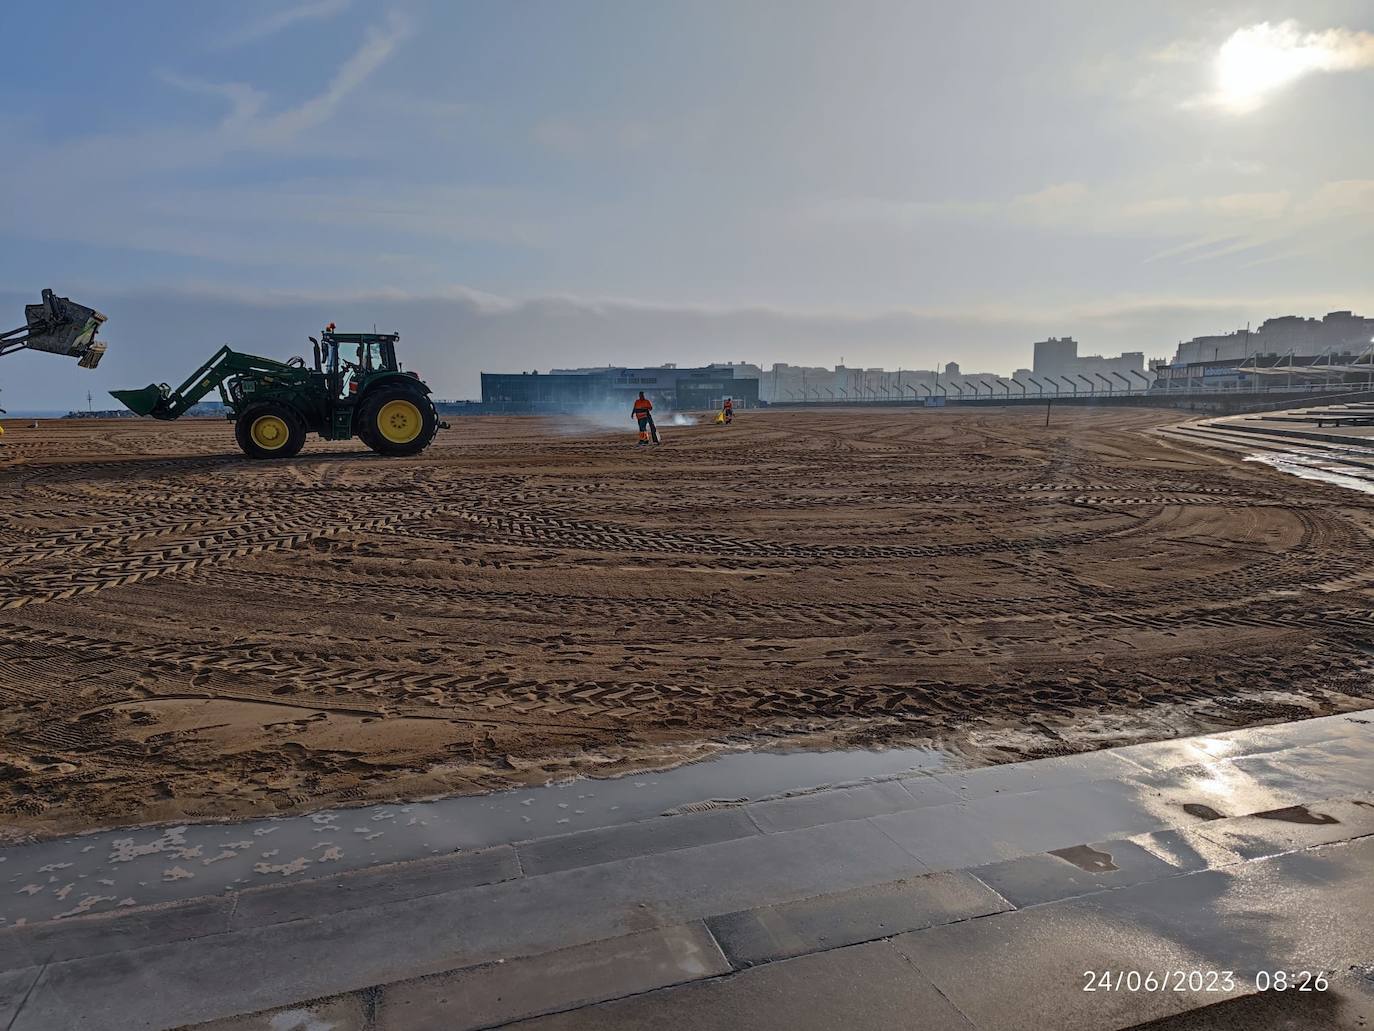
522,185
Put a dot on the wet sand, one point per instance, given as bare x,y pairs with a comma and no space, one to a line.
186,634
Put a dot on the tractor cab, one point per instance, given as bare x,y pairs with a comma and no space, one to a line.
349,360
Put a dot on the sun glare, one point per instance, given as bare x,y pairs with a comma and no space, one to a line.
1256,61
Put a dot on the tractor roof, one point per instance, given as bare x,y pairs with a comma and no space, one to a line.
360,338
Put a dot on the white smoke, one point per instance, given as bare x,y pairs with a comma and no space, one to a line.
594,422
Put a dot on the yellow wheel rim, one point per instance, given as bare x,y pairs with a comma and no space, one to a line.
399,421
269,432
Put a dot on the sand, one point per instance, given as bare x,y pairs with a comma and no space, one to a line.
187,634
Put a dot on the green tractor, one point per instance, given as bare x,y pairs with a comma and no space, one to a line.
356,388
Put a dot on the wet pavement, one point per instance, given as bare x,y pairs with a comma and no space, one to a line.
936,898
108,870
1323,467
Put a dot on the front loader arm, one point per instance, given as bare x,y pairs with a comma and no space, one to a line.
162,402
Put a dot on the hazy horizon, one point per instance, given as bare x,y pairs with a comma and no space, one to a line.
537,185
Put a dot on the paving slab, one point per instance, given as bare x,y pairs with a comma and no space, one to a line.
1073,871
1186,848
1292,827
1339,1008
864,986
999,827
787,814
341,1013
375,886
789,929
260,967
1222,786
1289,912
1236,744
158,864
15,986
56,941
496,993
1326,769
665,834
1018,778
1026,968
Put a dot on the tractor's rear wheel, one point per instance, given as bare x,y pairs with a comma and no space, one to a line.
269,430
396,422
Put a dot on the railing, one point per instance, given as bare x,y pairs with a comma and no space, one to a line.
967,395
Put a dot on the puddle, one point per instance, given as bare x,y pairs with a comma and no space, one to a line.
1323,467
108,870
1202,812
1297,814
1085,857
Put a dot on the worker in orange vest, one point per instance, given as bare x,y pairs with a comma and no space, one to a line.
643,411
728,409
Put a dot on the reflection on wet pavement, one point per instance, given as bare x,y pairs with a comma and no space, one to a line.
1202,812
1325,467
1085,857
956,816
108,870
1298,814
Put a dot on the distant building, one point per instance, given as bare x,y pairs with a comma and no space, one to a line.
1054,356
1338,333
572,390
1285,351
1059,357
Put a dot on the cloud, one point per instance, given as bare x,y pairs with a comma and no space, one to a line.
1204,227
245,126
245,102
377,47
1281,224
281,19
1257,61
452,335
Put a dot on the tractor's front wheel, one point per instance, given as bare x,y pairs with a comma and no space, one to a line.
397,422
269,430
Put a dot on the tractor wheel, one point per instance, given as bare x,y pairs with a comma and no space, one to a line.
269,430
367,435
396,422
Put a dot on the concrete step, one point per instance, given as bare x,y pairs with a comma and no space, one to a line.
1327,437
1217,435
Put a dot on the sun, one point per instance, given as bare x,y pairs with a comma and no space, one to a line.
1256,61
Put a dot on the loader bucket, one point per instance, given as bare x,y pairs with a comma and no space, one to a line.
144,401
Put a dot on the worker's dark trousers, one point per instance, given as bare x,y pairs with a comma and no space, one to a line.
646,422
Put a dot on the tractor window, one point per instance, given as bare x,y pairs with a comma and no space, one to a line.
371,357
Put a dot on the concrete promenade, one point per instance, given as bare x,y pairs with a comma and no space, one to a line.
990,898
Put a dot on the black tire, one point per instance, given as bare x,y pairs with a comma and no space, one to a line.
261,443
366,436
396,422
